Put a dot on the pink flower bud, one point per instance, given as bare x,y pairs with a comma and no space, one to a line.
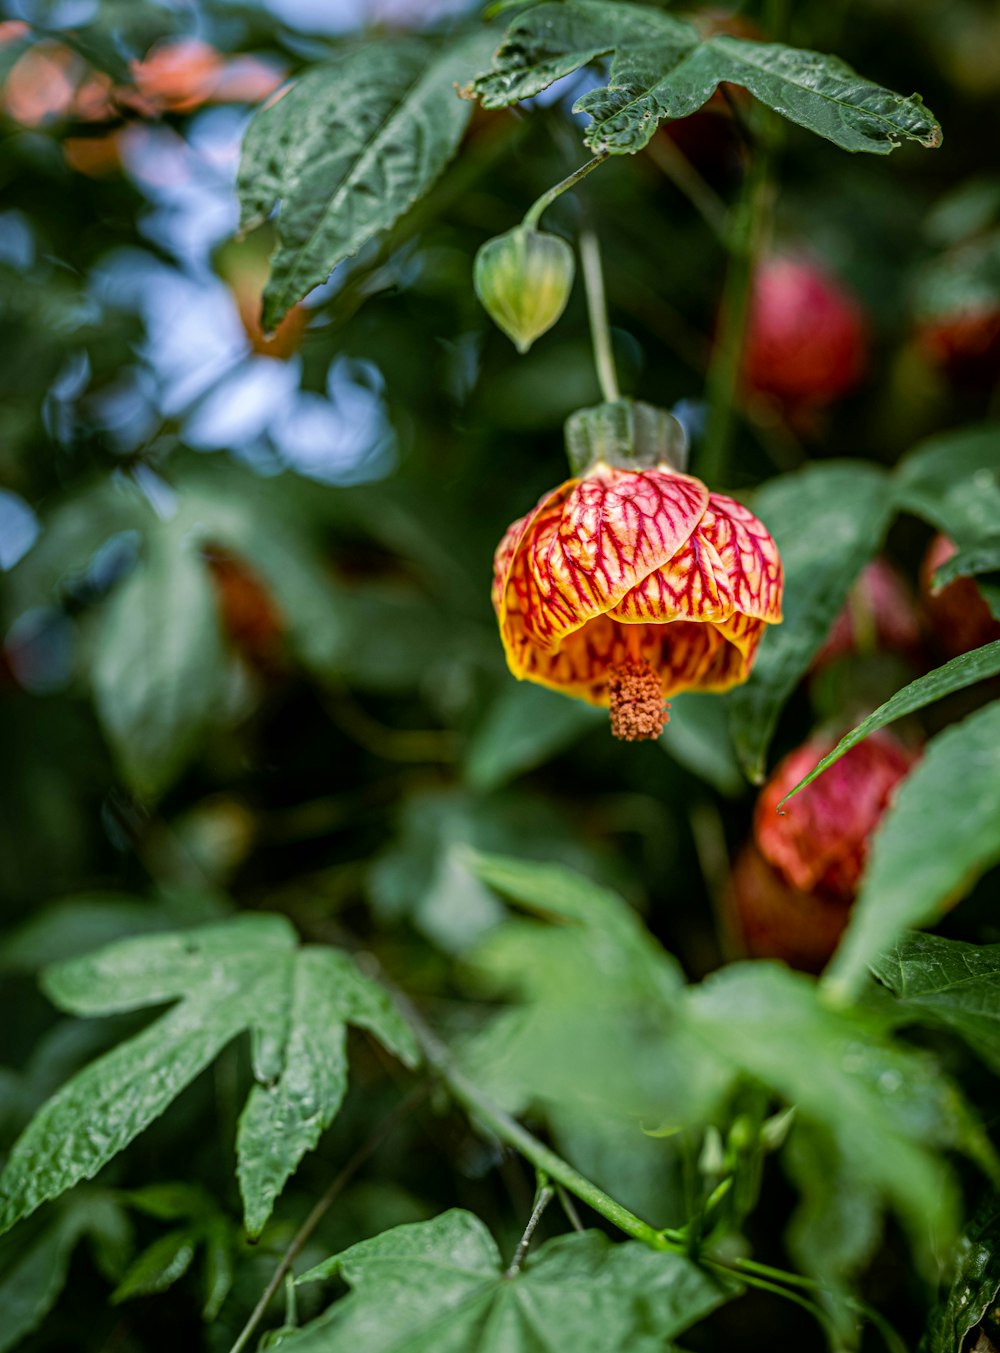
819,841
805,342
879,614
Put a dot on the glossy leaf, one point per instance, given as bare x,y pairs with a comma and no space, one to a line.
662,69
953,482
974,1285
347,149
828,521
950,983
440,1284
940,834
244,975
886,1107
159,665
955,675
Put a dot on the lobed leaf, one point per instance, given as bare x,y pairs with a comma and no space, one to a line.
828,520
347,149
940,834
245,975
965,670
439,1284
286,1116
662,69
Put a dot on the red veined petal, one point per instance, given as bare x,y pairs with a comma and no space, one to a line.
592,541
749,556
692,585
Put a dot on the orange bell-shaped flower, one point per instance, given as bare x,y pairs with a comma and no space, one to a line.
631,582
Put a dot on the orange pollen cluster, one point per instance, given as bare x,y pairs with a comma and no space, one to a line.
636,700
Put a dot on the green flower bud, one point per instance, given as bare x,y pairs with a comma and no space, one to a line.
524,279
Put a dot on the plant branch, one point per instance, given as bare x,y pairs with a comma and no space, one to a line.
668,157
543,1197
534,213
509,1130
367,1149
724,366
597,308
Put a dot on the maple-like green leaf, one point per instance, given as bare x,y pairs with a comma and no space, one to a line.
247,974
828,520
661,69
889,1109
348,148
440,1285
941,832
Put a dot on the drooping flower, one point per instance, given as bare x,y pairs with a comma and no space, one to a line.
632,582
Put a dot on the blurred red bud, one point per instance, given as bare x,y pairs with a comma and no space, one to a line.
249,615
805,342
819,841
959,617
879,614
771,919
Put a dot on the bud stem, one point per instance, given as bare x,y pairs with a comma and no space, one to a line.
600,332
534,213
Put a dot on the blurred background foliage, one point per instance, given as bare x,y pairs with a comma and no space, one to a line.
249,660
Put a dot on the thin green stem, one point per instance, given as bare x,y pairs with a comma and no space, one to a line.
535,211
668,157
763,1285
543,1197
597,308
510,1131
367,1148
724,367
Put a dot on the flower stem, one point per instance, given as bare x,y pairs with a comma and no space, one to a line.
543,1197
482,1109
724,367
597,308
534,212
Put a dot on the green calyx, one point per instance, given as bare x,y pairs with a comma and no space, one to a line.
524,279
626,433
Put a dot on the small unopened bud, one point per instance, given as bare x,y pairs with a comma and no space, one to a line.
523,280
